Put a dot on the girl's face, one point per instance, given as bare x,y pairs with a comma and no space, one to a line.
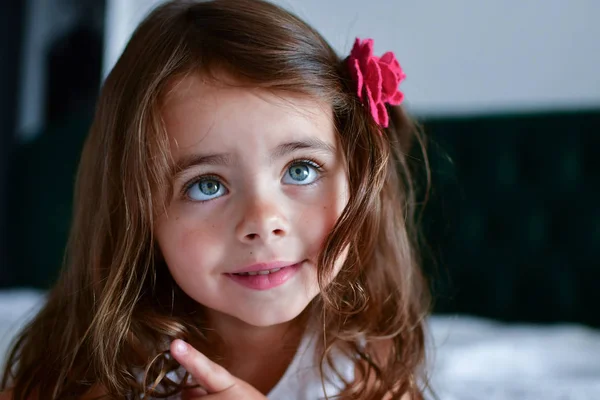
262,182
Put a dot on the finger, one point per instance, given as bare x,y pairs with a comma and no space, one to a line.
191,394
194,391
208,374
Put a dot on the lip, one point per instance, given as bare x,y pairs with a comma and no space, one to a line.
264,266
268,281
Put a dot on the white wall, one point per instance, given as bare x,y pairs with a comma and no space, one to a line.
461,56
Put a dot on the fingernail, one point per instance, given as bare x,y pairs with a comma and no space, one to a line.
180,346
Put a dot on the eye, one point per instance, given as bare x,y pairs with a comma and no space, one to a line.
206,188
302,173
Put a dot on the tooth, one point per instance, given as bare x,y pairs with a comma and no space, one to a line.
274,270
265,272
252,273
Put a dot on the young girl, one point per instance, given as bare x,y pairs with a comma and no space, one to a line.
243,224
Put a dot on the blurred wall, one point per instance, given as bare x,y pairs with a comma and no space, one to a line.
54,75
45,21
461,56
11,15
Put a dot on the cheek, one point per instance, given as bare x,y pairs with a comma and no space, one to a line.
189,246
320,219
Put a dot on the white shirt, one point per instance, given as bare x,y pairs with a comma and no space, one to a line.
302,379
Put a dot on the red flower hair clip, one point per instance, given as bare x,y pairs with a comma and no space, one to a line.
376,78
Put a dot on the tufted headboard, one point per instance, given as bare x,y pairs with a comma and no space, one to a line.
514,222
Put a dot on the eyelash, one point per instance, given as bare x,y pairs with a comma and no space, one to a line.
188,185
313,163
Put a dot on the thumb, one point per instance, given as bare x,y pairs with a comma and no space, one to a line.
208,374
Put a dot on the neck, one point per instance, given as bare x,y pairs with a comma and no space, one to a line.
258,355
240,340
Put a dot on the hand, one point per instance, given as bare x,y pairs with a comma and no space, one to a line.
217,383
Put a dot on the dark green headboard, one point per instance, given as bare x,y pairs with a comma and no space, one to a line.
515,218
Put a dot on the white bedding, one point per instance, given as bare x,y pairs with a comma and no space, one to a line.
481,359
472,359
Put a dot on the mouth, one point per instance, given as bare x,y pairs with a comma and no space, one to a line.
261,272
265,278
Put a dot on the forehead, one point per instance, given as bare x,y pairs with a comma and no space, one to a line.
213,116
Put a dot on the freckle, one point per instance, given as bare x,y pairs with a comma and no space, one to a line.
250,253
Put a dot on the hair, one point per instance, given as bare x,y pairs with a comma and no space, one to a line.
115,307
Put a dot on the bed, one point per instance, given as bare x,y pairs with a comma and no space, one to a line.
470,358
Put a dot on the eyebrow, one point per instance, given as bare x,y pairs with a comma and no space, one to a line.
224,159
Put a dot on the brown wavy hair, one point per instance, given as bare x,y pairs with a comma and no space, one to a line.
115,307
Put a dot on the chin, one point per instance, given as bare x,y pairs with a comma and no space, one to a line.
270,316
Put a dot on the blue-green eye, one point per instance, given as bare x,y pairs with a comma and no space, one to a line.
206,189
301,173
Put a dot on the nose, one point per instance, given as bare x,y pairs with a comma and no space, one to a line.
262,220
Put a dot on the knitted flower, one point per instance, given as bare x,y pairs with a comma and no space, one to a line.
376,78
